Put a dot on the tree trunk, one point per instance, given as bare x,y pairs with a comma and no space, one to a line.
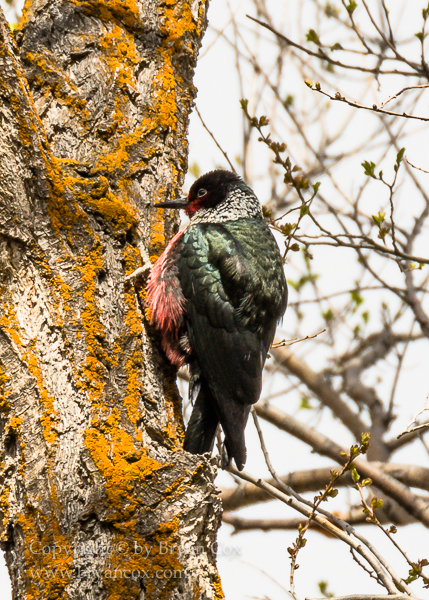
98,499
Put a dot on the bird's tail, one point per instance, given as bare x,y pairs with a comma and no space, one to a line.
205,418
233,425
203,423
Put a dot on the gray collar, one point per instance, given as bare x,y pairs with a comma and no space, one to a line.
239,204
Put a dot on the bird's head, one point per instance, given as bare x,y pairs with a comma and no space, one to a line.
216,196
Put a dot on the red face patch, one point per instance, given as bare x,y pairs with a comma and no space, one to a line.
195,205
196,202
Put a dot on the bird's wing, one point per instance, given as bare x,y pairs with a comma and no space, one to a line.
230,352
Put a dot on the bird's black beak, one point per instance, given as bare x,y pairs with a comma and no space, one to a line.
179,203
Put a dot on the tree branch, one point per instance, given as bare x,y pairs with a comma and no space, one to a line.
322,56
366,597
321,388
363,548
326,447
313,480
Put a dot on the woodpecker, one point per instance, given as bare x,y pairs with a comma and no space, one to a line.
216,294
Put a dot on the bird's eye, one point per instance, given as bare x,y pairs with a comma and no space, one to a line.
201,192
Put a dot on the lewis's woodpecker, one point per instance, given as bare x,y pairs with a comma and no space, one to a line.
216,294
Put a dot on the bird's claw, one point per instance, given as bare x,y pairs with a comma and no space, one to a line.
144,269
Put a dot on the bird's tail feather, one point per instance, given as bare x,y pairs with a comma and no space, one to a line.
233,425
205,418
203,423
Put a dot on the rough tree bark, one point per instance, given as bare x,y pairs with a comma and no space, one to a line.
94,103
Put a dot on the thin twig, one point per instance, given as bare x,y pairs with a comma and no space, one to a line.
366,597
360,547
417,427
322,56
410,87
215,141
296,340
414,166
374,108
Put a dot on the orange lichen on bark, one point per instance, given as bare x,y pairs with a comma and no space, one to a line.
49,414
134,386
119,54
10,325
157,239
126,11
4,506
48,549
217,585
134,363
30,132
48,73
123,465
164,93
62,207
15,423
51,568
173,404
92,371
58,292
131,259
25,128
178,21
89,268
117,159
157,562
4,403
97,195
12,427
157,234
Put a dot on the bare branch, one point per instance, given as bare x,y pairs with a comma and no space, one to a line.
414,166
374,108
417,428
410,87
322,56
366,597
284,343
364,549
321,388
312,480
326,447
407,429
241,524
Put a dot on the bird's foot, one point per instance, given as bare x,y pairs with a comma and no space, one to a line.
144,269
225,458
